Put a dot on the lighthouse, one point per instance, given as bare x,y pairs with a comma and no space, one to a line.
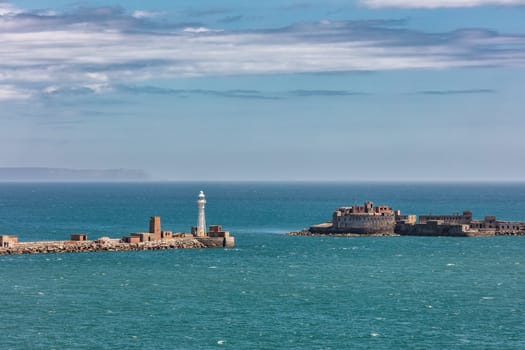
201,222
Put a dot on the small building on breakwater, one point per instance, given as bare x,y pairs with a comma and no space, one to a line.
370,220
154,239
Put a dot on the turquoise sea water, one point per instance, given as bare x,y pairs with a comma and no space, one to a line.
272,291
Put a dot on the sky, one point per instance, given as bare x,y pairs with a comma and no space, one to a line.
332,90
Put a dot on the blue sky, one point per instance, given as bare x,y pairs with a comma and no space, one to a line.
275,90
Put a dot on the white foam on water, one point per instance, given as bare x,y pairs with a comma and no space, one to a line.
212,267
451,264
487,298
374,334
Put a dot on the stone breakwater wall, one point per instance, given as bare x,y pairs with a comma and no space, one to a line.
339,234
414,232
47,247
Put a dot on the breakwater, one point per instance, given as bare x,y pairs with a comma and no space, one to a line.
154,239
46,247
339,234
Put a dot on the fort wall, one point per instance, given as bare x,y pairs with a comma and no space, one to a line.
362,224
432,228
464,218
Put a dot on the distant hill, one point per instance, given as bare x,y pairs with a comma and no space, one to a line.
64,174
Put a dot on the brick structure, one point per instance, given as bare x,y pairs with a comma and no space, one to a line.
131,239
490,223
460,225
154,227
216,231
8,241
215,228
79,237
166,234
145,236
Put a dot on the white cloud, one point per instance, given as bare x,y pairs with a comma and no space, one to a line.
51,89
8,92
7,9
200,30
144,14
76,54
439,3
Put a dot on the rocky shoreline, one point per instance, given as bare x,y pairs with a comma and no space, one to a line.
465,234
47,247
340,234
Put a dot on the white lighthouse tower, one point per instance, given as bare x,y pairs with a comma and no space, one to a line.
201,223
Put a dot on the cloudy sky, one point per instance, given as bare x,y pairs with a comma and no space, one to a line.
266,90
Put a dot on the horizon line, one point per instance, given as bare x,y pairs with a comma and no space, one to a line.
313,181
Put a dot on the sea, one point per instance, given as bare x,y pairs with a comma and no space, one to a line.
272,291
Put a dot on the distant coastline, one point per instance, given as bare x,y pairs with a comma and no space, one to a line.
36,174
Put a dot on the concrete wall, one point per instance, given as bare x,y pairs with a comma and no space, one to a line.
131,239
464,218
217,242
219,234
407,219
432,228
145,236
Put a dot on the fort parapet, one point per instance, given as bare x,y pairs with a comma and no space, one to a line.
364,219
